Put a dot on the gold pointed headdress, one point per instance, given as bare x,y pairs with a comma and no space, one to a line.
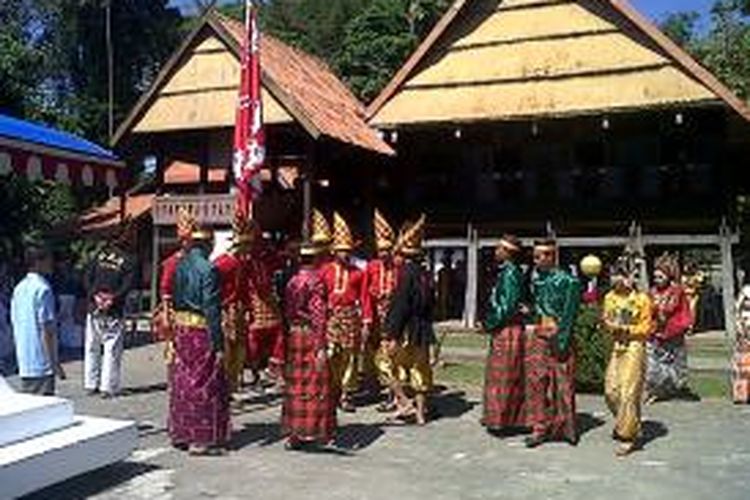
244,230
384,234
410,240
185,224
320,236
203,233
320,230
342,235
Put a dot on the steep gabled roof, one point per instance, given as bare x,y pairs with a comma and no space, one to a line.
303,85
510,59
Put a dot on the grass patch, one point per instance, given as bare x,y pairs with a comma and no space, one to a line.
461,374
705,383
463,341
711,385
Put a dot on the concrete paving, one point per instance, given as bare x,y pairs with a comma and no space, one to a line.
694,451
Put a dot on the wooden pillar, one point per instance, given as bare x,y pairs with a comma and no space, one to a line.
472,277
155,267
727,280
307,178
638,245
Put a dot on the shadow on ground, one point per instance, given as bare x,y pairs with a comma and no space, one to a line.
586,422
261,434
358,436
144,389
93,483
452,404
651,431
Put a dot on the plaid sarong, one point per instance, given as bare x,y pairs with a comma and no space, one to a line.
504,380
309,410
550,391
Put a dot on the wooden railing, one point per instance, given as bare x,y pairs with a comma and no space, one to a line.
209,209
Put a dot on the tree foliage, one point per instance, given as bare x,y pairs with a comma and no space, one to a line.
724,48
31,210
365,41
53,63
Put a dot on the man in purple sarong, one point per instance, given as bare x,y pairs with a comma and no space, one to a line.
199,393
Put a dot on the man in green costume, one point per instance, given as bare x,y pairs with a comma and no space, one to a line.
504,374
550,361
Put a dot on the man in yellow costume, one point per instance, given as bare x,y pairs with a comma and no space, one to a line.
380,277
408,331
628,318
345,286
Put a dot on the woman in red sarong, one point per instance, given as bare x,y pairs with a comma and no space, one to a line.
309,409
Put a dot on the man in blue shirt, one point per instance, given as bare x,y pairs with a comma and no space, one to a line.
32,312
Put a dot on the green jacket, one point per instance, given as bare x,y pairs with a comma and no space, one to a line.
506,297
197,290
557,294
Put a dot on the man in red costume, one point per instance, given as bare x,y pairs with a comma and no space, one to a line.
265,341
235,301
345,285
380,284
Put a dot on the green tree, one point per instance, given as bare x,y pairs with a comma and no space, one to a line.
681,27
53,64
23,42
31,210
378,41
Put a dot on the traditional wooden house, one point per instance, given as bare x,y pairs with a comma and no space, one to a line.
317,136
572,117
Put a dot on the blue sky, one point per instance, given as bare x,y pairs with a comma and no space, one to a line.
655,9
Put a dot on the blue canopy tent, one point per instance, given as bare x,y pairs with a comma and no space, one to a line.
40,152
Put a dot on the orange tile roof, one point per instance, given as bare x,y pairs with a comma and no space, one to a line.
188,173
107,216
316,92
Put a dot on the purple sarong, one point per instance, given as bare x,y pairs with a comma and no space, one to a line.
198,392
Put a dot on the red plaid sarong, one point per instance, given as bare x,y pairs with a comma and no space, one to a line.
345,327
504,380
198,391
550,391
309,410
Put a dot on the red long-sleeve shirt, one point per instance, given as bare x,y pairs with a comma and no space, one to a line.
380,283
345,285
168,269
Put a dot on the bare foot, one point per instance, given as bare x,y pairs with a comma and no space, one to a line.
624,449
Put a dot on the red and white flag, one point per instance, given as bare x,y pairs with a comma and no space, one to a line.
249,135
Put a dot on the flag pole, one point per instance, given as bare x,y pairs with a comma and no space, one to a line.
249,134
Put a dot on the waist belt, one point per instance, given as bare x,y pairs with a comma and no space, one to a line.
190,319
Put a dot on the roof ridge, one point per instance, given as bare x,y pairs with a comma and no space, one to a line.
677,56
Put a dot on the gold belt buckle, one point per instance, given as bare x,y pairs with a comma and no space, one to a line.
190,319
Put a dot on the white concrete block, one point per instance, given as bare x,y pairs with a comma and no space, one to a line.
89,444
23,416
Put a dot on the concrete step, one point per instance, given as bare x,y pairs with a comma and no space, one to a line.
23,416
88,444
